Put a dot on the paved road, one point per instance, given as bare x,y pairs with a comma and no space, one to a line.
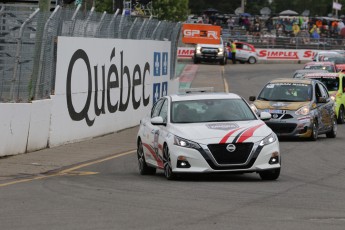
111,195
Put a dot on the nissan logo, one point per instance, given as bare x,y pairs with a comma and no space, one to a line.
231,148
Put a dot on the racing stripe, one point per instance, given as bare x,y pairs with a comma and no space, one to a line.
247,133
153,153
226,137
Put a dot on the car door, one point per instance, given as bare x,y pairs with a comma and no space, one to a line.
151,136
239,51
325,109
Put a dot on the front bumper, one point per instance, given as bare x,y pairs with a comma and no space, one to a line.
203,161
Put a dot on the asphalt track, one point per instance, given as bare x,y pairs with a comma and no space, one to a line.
108,193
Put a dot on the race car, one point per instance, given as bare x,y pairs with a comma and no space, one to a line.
206,132
299,108
329,66
336,88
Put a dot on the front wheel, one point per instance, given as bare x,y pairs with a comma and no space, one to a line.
272,174
314,131
144,169
168,173
341,115
333,132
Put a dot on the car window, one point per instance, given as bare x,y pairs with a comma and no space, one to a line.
164,111
239,45
157,108
245,47
284,91
332,84
211,110
323,90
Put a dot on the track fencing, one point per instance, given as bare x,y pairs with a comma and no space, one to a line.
28,42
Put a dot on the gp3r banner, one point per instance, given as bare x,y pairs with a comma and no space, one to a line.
201,34
105,85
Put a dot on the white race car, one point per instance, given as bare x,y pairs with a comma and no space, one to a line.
203,132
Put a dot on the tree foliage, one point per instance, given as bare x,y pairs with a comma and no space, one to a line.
171,10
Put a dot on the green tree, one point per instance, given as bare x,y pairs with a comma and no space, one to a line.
104,5
171,10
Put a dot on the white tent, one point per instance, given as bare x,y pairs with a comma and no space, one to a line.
288,12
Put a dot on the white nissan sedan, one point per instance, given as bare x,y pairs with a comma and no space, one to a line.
206,132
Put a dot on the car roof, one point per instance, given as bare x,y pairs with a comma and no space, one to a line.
323,75
203,96
311,71
319,63
292,80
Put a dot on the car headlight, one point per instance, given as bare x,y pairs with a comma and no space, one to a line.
268,140
305,110
333,97
220,50
185,143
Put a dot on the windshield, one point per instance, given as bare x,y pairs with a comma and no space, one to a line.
332,84
324,67
336,59
294,92
210,111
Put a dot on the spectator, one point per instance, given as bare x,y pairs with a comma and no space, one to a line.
231,23
315,32
295,29
246,23
233,51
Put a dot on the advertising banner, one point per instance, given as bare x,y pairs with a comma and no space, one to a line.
201,34
105,85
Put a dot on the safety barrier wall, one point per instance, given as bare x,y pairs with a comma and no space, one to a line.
117,52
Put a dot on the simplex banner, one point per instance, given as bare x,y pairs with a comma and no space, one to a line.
105,85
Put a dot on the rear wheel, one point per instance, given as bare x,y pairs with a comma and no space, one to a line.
272,174
144,169
333,132
252,60
341,115
168,173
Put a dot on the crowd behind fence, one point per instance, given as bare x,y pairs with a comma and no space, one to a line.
28,39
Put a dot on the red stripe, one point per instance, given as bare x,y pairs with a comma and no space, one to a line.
226,137
151,150
248,133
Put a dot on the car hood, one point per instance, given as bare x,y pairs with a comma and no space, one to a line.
210,45
280,105
223,132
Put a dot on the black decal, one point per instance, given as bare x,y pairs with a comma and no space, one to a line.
112,84
136,82
98,110
79,54
124,70
146,100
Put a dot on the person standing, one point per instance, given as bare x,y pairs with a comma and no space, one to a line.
233,51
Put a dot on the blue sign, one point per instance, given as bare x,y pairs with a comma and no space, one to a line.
165,63
164,88
156,92
157,64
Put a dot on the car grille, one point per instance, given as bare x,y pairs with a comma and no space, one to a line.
223,156
282,128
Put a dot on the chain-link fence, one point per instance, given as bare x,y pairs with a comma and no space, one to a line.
28,43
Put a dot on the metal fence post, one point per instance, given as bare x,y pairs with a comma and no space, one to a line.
38,81
18,51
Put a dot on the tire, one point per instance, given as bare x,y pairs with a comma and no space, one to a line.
341,115
168,173
314,131
251,60
223,61
144,169
272,174
333,132
196,60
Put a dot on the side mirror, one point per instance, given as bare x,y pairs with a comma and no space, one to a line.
265,116
157,121
252,98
